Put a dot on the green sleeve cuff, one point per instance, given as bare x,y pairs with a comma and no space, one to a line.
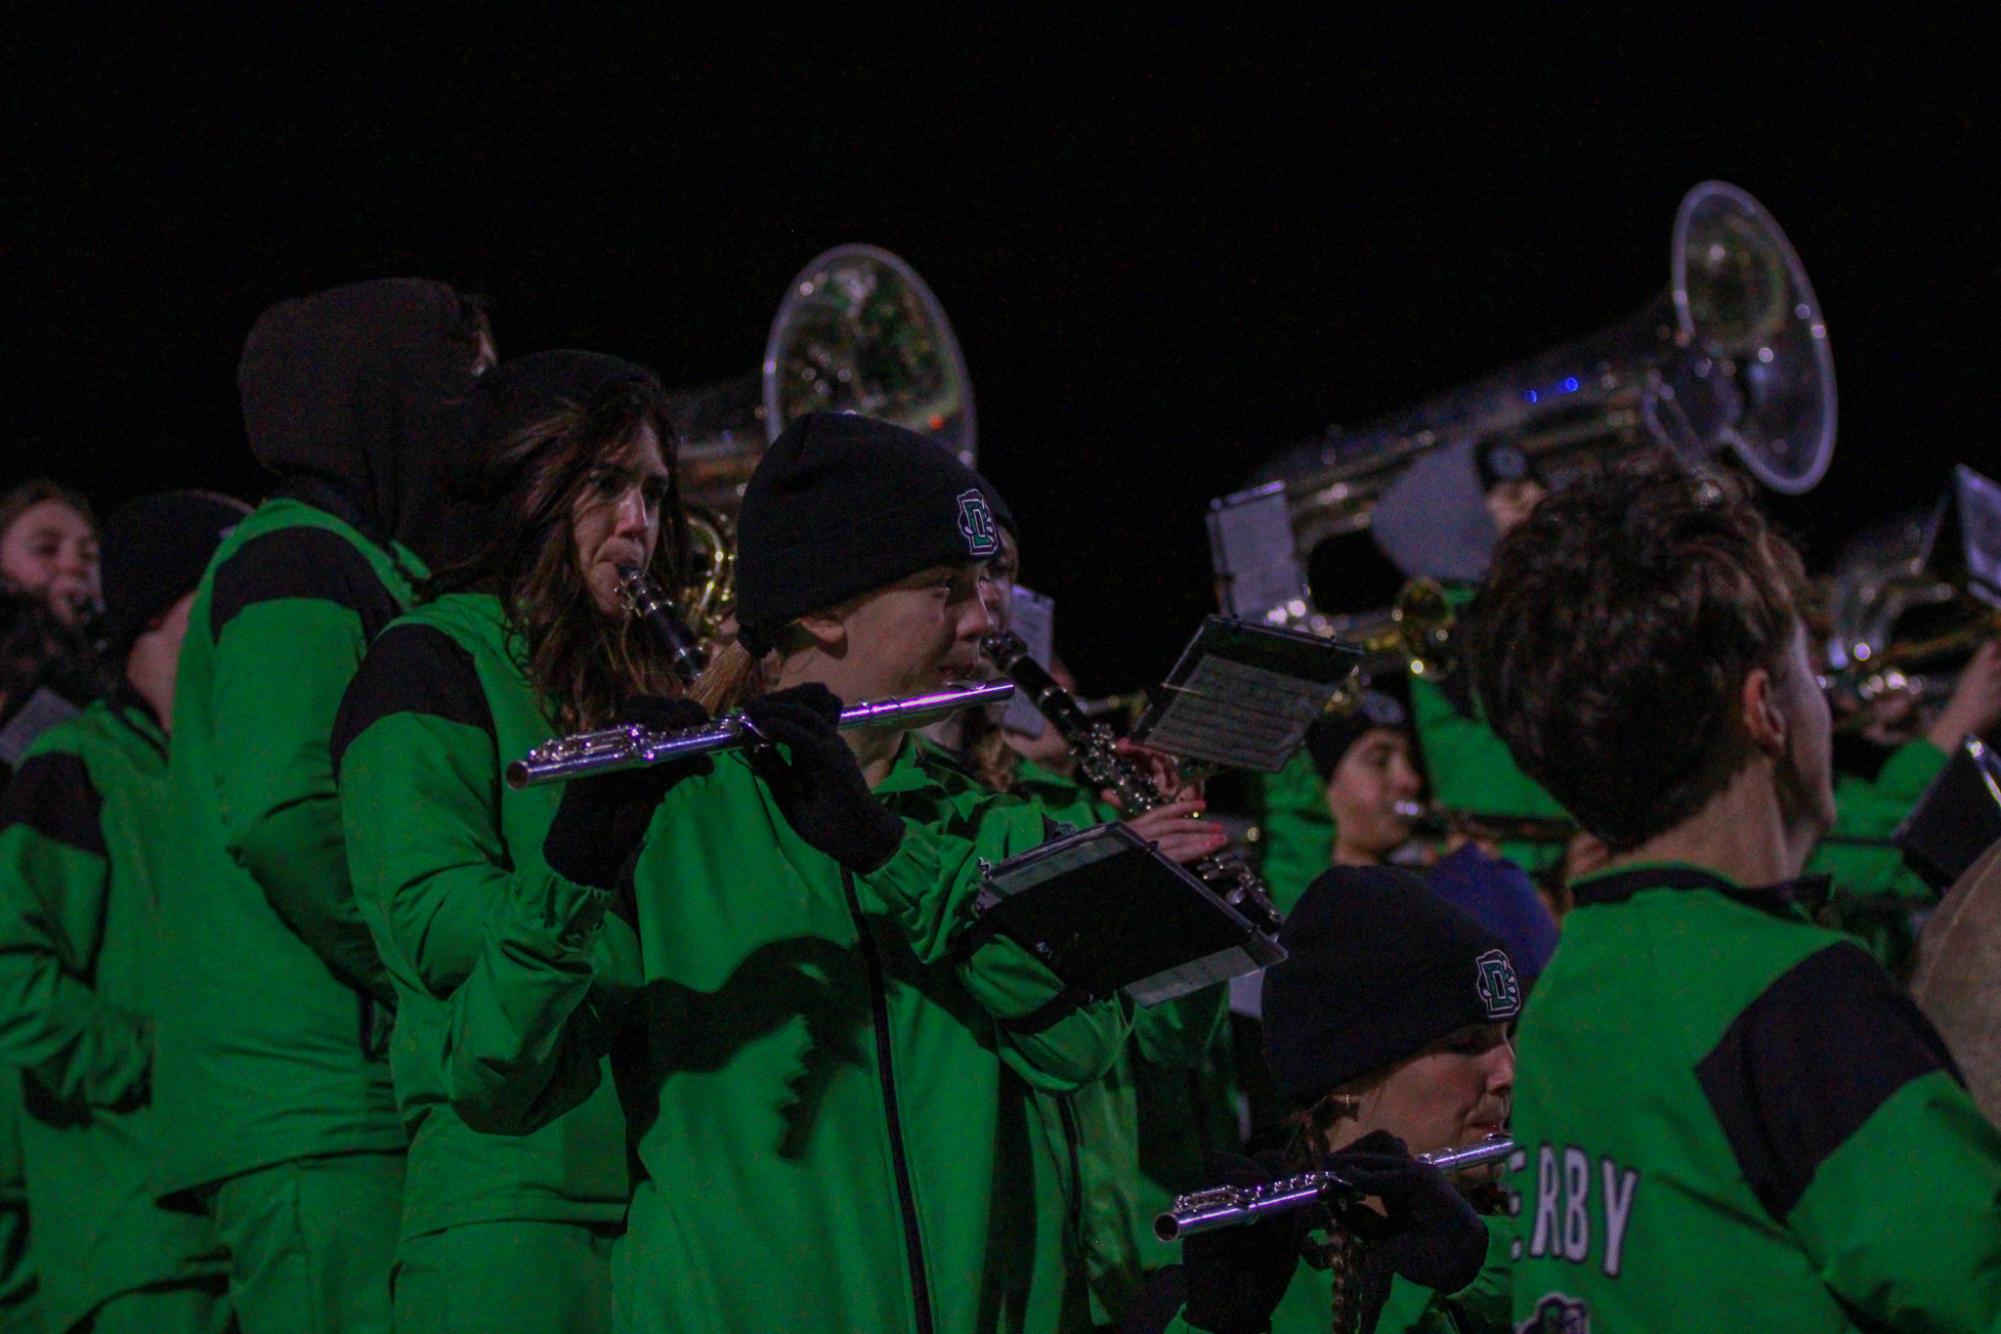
556,919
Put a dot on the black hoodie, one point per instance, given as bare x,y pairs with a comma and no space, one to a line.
358,389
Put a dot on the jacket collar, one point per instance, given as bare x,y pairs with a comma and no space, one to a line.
1788,898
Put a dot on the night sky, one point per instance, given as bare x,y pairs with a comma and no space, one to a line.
1169,248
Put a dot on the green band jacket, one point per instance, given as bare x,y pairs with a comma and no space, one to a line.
81,827
810,1061
271,1022
1732,1119
437,844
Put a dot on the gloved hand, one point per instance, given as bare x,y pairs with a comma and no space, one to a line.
602,819
1238,1275
1427,1232
821,791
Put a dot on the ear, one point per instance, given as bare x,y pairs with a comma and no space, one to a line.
827,629
1758,707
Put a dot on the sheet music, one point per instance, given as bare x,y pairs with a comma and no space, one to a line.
1034,620
1251,544
1980,532
1234,714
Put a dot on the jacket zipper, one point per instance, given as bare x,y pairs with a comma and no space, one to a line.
913,1242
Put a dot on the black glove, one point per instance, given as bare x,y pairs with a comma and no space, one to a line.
603,818
821,792
1237,1275
1428,1233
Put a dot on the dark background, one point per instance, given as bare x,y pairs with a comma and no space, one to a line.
1169,248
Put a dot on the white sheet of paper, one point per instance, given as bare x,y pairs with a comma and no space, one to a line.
1035,621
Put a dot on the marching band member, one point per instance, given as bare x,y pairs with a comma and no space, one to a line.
49,579
1724,1110
1369,776
524,638
82,827
1386,1024
273,1096
48,548
1111,1154
1370,769
812,1034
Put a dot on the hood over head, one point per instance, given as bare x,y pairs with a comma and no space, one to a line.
359,386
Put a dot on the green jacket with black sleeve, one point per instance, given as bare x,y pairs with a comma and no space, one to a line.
1112,1154
1732,1119
270,1024
81,827
436,842
810,1060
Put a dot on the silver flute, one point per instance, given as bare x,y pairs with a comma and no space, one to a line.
1233,1206
631,746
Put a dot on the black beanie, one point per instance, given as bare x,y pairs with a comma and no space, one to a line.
1331,736
1377,969
153,552
840,505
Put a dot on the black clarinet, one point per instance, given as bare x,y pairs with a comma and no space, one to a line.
1103,767
662,619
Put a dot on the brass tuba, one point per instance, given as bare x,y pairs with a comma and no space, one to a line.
857,331
1733,355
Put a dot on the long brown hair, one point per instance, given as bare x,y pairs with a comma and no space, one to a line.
582,663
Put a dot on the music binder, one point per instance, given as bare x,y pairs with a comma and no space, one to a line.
1107,913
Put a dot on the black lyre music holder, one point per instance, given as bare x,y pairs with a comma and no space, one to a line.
1242,695
1107,913
1957,819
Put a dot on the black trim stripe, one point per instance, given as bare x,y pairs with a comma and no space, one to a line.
52,794
411,669
1780,899
300,562
1048,1014
1808,1062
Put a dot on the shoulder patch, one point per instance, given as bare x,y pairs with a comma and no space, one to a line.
300,562
411,669
51,793
1808,1062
